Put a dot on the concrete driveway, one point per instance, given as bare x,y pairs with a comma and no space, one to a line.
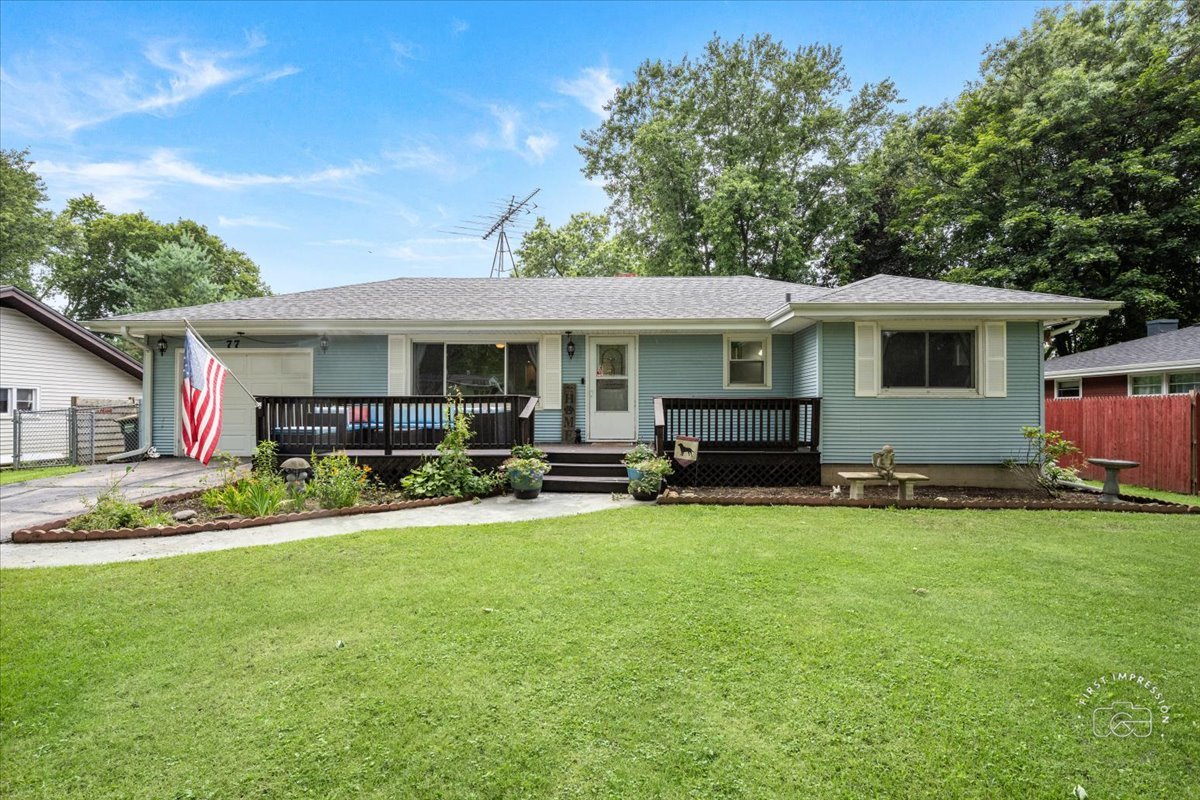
33,502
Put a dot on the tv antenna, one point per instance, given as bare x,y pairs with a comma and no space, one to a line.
505,215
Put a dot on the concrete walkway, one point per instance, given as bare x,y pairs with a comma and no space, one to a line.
33,502
494,509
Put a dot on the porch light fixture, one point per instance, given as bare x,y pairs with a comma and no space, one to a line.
162,345
324,343
570,346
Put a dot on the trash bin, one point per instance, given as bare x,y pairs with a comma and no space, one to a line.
129,429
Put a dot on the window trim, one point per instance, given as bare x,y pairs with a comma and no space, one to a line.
768,342
1058,381
11,397
1162,384
473,339
930,326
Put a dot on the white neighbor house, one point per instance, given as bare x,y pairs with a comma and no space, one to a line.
49,362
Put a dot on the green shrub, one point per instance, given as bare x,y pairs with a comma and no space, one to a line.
640,452
266,459
652,470
1039,466
337,481
249,497
112,510
452,474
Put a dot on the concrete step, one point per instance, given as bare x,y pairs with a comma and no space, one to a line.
589,470
575,483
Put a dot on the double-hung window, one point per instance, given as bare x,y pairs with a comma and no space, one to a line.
1068,387
474,368
15,399
747,362
1146,384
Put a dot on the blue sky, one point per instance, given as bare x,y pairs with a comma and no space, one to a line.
334,142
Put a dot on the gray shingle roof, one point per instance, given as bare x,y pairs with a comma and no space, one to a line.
512,299
897,289
1180,345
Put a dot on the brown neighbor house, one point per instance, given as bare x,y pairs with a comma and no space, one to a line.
1165,361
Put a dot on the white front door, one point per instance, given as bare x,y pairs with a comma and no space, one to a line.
612,388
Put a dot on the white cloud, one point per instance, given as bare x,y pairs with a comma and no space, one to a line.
540,146
270,77
592,89
424,157
121,184
249,221
509,125
59,94
404,51
458,26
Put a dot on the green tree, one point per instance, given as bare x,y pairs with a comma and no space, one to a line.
1071,166
93,268
583,247
735,162
26,226
177,273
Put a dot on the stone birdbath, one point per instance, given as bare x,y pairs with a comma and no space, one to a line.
1112,466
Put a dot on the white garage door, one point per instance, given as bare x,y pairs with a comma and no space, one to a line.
264,372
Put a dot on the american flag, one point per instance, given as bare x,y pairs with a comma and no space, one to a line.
203,383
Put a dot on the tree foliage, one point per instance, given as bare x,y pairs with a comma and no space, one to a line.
1071,167
26,226
101,265
735,162
582,247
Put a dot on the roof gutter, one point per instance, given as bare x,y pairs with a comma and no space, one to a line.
1040,312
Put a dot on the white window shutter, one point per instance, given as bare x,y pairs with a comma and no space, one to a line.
995,359
866,359
550,372
398,383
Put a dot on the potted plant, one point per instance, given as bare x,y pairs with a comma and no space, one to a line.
648,484
525,468
641,452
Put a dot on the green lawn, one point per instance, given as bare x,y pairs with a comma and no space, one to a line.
8,476
642,652
1157,494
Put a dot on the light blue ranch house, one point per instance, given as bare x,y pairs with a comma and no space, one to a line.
780,383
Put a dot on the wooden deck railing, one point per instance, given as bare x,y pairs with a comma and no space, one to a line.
301,425
738,423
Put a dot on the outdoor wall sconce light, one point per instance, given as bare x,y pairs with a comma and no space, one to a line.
162,345
570,346
324,343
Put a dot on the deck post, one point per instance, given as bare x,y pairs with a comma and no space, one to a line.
389,422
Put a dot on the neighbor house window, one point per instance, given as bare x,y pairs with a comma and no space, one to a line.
747,362
1183,382
928,360
1068,387
475,369
17,400
1146,384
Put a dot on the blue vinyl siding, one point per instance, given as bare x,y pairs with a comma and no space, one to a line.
547,425
806,362
692,366
929,430
353,365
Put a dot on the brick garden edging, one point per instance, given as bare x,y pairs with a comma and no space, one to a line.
56,531
1138,505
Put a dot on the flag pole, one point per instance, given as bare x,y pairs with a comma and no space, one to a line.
204,344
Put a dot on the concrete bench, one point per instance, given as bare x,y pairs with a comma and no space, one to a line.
904,491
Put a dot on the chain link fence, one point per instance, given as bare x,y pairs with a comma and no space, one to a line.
77,436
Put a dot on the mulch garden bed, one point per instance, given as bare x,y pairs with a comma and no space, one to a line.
924,497
208,520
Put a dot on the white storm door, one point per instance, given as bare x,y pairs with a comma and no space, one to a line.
612,388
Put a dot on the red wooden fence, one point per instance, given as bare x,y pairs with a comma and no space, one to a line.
1160,432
